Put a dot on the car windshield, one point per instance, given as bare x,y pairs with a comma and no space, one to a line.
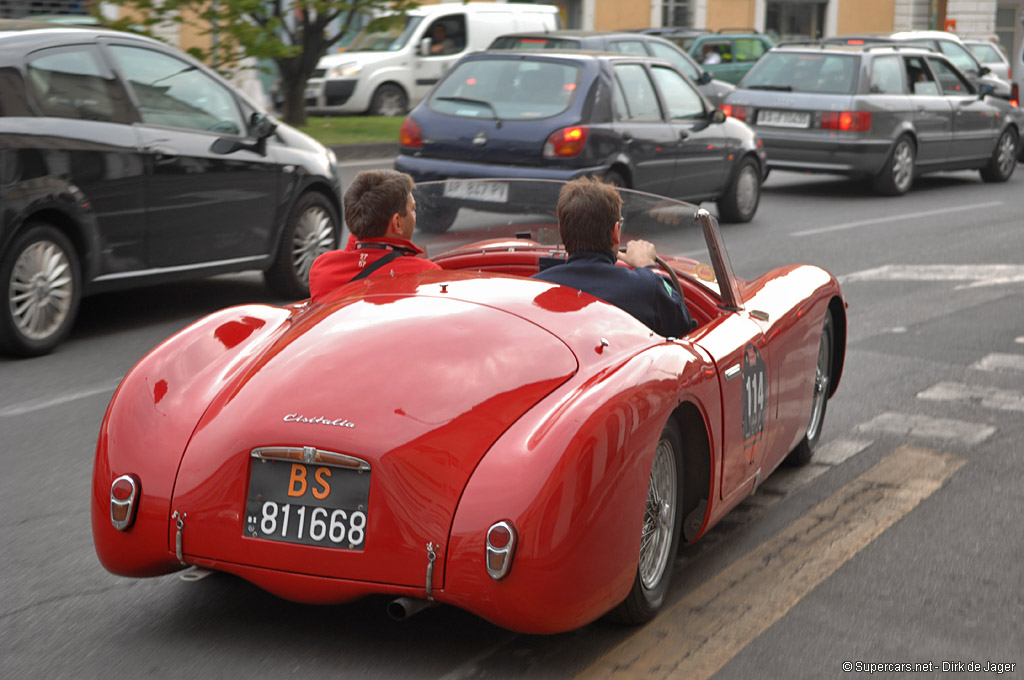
804,72
520,42
520,215
506,89
389,40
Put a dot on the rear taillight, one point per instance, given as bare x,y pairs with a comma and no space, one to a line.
501,548
124,501
411,134
1015,95
567,142
737,112
846,121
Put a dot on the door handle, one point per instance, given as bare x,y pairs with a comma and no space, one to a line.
732,372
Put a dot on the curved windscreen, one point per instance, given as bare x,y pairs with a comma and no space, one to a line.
454,214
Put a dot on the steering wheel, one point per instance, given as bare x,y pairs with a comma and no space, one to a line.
668,270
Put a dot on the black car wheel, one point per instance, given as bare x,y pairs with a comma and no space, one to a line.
898,173
41,280
804,451
739,203
659,538
313,228
1004,158
434,217
389,100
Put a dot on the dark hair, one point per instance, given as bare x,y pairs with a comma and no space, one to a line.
372,198
588,209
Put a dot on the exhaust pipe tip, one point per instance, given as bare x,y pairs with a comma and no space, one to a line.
403,607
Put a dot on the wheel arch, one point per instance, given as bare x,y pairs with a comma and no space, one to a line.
83,242
838,310
697,467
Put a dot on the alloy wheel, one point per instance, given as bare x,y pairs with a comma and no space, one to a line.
41,290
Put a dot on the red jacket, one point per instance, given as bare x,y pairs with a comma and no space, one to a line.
335,268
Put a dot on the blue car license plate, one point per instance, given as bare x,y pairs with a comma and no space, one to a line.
307,503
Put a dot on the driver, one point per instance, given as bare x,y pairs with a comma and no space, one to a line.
590,223
381,214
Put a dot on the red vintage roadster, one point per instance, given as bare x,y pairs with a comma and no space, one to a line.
473,437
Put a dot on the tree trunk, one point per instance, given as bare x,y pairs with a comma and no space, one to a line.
294,105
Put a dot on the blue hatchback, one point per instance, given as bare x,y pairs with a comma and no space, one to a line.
636,121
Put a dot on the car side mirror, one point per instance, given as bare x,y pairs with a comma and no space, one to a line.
261,126
985,89
718,117
985,70
704,78
425,47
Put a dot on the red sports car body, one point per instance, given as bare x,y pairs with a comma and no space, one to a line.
471,436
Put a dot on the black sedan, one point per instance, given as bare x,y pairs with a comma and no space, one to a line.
636,121
124,162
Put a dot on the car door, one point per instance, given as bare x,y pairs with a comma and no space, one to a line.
701,152
975,121
933,113
202,206
441,55
646,139
83,136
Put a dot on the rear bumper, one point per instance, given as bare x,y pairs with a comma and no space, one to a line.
431,169
789,151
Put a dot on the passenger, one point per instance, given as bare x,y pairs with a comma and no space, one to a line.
590,224
381,214
711,56
440,43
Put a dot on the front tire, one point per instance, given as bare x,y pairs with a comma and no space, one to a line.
898,174
1004,158
313,228
804,451
659,538
744,193
389,100
42,285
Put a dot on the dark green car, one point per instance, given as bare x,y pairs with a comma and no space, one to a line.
727,54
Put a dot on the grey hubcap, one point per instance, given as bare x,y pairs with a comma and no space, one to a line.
902,165
821,382
659,517
41,290
314,235
1006,155
746,190
391,104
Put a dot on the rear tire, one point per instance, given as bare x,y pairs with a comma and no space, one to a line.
1004,158
744,193
312,229
659,538
389,100
897,176
804,451
41,281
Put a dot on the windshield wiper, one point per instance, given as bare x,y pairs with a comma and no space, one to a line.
773,88
480,102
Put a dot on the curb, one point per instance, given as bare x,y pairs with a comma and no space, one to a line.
356,151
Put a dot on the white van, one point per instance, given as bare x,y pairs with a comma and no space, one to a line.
386,73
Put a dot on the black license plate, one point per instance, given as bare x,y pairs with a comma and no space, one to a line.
308,504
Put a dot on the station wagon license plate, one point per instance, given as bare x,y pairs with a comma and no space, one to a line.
788,119
307,503
495,192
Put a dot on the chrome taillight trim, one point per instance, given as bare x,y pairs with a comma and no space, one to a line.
502,555
128,505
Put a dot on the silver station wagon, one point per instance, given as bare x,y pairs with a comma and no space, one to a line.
885,112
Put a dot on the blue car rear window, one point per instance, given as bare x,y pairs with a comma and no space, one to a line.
804,72
507,89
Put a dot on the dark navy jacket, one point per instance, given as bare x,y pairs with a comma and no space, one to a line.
640,292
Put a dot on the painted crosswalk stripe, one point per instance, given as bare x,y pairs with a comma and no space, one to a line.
989,397
971,275
698,635
929,428
1001,362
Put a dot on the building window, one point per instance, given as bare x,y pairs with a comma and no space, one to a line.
675,13
795,20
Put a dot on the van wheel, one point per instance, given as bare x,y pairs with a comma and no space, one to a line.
312,229
741,198
42,284
436,219
389,100
898,173
1004,158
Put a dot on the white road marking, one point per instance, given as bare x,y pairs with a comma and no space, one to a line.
893,218
41,404
928,428
990,397
977,275
1001,362
839,450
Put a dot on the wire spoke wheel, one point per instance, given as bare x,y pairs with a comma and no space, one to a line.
659,517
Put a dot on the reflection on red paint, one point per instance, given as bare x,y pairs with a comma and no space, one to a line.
159,391
233,332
